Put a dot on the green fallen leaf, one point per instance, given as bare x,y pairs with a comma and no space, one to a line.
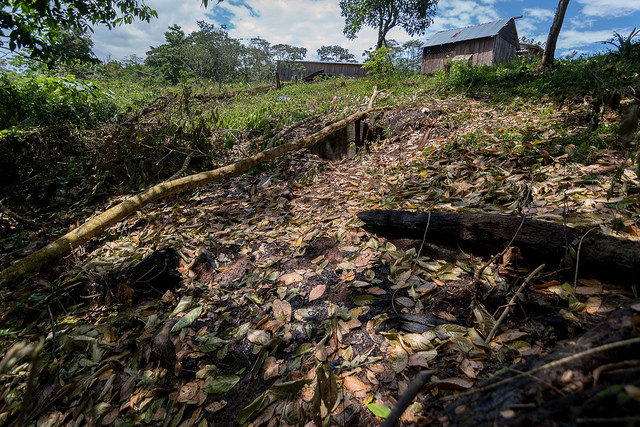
253,296
289,387
187,319
247,413
210,342
304,348
379,410
182,305
221,384
361,300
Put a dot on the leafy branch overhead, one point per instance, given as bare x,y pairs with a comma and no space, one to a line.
37,25
412,16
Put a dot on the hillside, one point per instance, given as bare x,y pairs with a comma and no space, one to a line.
265,299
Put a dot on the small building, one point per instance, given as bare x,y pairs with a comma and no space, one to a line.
531,50
307,70
483,44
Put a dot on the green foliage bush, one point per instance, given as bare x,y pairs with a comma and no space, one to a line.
27,100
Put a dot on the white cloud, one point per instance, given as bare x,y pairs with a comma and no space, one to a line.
609,8
304,23
533,20
571,39
136,38
539,14
462,13
313,23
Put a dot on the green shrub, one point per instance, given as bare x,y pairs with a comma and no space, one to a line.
35,100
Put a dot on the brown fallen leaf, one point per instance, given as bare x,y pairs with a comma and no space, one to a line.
317,292
214,407
510,335
188,392
290,278
592,305
354,384
471,367
633,392
272,367
426,287
282,310
405,301
633,230
110,417
376,291
321,353
417,359
398,359
455,383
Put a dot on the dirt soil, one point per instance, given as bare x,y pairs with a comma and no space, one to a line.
263,300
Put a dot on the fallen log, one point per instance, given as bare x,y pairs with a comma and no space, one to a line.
539,241
99,223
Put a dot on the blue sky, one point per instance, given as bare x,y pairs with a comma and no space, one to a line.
313,23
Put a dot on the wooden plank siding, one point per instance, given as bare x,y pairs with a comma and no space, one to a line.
481,51
288,70
499,47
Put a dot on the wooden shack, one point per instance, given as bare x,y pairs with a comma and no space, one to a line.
531,50
307,70
484,44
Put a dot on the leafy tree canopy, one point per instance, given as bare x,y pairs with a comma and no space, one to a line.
38,25
285,52
211,54
414,16
335,53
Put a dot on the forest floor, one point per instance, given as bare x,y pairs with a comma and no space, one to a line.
287,311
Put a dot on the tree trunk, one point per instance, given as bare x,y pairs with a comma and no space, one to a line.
539,241
550,48
96,225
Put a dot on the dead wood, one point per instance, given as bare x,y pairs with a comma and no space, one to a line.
407,398
527,393
539,241
97,224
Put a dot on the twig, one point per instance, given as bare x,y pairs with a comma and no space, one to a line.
550,365
541,381
575,277
373,97
184,167
53,334
28,395
478,273
424,238
512,302
405,400
11,214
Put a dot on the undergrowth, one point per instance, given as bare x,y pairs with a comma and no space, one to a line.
120,133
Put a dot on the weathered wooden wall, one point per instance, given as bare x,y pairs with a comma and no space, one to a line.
288,70
481,51
504,49
485,51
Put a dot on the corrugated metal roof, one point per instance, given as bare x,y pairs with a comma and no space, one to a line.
489,29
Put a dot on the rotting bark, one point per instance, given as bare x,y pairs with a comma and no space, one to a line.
99,223
607,256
